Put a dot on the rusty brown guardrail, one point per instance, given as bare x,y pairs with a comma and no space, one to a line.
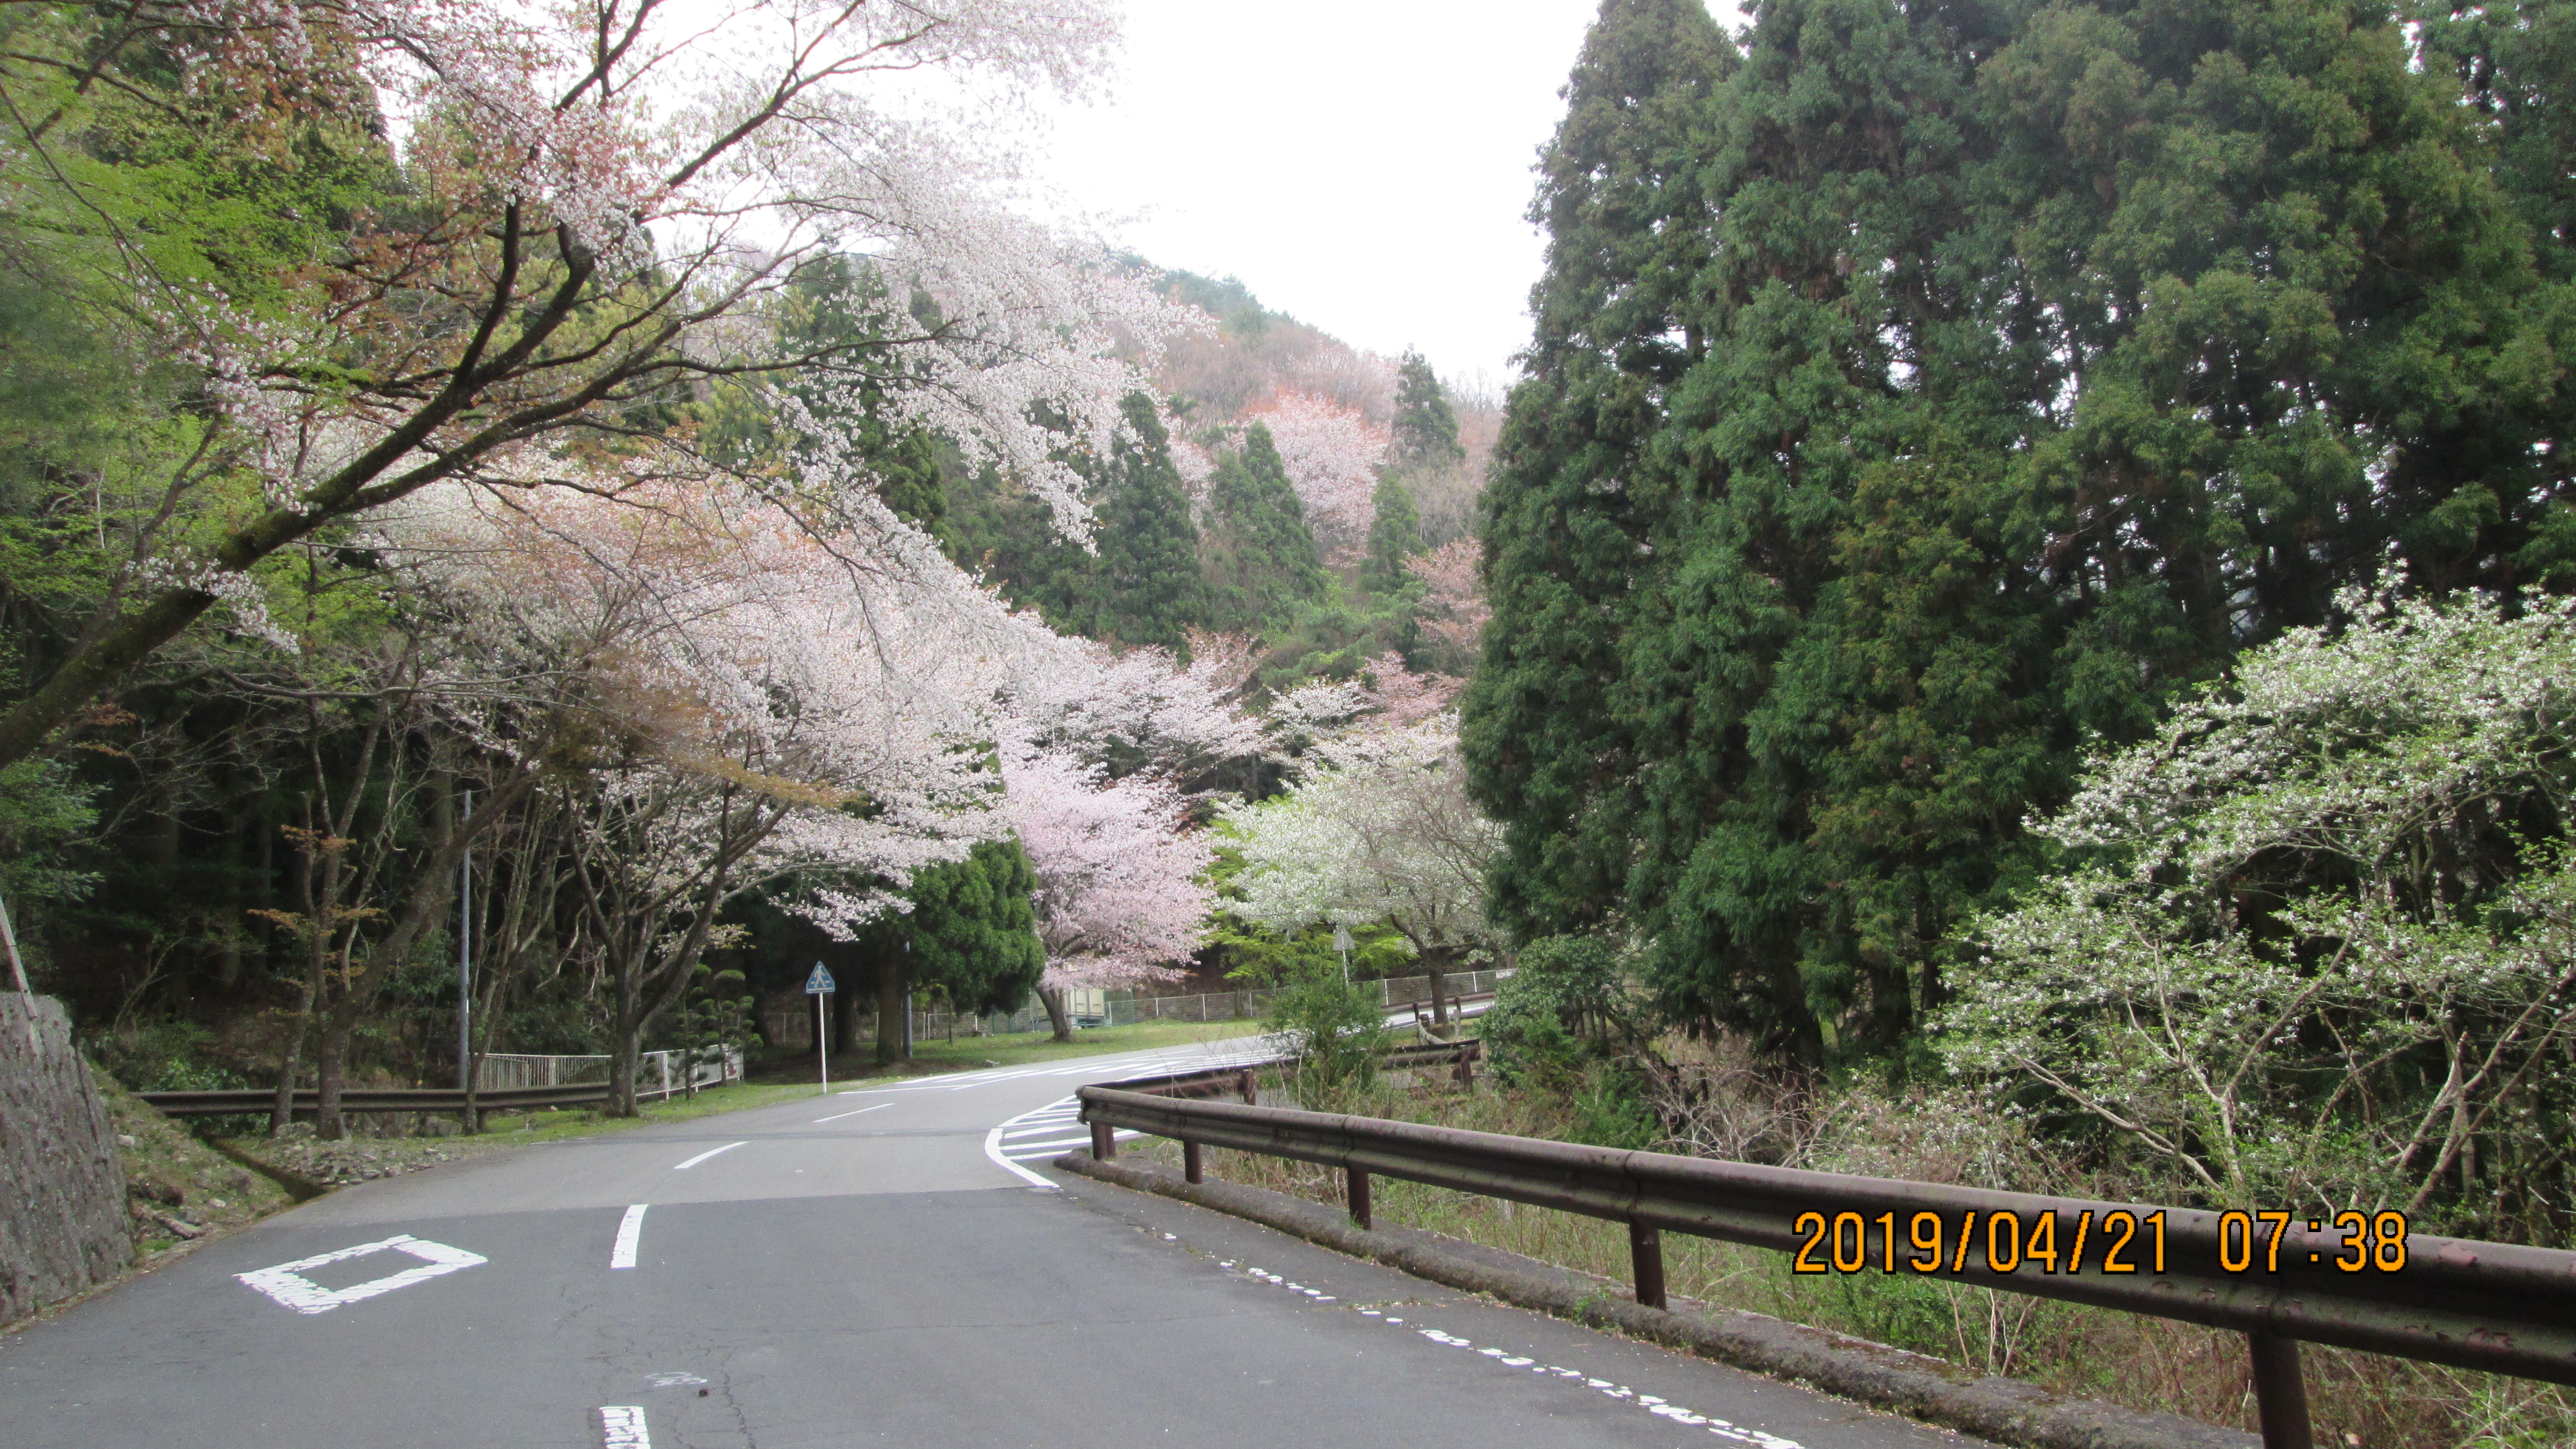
2497,1307
398,1099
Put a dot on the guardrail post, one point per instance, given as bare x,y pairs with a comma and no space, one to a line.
2280,1392
1251,1088
1359,1197
1104,1143
1190,1167
1646,1255
1466,1066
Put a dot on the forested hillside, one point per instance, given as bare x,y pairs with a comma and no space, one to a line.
1290,480
429,536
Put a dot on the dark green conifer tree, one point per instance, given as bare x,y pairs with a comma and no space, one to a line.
2032,364
973,928
1574,487
1395,535
1146,587
1261,560
1425,431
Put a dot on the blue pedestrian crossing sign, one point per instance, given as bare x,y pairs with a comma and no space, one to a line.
820,982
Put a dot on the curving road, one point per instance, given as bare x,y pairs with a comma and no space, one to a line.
882,1266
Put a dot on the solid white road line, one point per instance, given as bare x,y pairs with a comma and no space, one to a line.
710,1152
621,1426
819,1121
623,1255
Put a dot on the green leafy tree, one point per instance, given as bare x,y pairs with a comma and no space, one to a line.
973,928
718,1014
2312,941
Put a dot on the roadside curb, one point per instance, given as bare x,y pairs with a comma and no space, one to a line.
2006,1411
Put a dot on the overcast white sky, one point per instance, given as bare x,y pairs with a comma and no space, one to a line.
1363,165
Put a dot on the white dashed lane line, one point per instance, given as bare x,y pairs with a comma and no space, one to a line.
1661,1408
629,1230
710,1152
837,1116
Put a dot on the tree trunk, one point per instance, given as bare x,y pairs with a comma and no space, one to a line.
845,1021
287,1061
891,1009
330,1070
1435,966
1053,996
627,1053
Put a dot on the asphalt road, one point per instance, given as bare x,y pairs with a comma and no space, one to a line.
871,1267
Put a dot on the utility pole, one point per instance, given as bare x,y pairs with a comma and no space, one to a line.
18,970
465,959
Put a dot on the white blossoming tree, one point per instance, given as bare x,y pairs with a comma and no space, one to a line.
1121,900
586,209
2319,942
1377,829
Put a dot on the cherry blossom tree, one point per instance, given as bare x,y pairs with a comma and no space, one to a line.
1454,609
1138,709
754,708
1332,453
1120,899
1377,829
597,200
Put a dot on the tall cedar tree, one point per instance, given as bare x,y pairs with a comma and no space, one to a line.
1423,438
1574,489
2047,359
1140,584
1425,431
835,300
1395,535
1147,588
1261,559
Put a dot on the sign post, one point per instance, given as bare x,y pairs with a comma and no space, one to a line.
819,985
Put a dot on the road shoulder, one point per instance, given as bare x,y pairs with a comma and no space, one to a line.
2003,1410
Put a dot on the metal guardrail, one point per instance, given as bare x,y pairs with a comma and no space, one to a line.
1238,1078
420,1099
2496,1307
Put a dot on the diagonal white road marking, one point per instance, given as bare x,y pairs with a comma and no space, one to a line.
629,1228
710,1152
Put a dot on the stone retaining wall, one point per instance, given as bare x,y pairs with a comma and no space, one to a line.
62,1191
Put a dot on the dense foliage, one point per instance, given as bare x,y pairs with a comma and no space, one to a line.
1877,452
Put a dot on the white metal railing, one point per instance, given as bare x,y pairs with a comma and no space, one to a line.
657,1074
793,1026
